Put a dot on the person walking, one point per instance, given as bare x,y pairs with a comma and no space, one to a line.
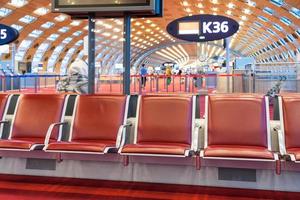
143,73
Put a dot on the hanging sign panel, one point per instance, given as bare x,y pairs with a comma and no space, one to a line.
109,8
7,34
202,28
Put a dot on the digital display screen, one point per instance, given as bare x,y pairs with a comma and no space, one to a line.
101,3
189,28
109,8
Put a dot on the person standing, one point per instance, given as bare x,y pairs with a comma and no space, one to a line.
169,75
143,73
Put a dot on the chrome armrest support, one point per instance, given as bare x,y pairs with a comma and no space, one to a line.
281,142
121,138
50,130
195,142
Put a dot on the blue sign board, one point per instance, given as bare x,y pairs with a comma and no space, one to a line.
7,34
202,28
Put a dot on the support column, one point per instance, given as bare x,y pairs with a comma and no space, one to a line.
126,55
91,56
228,63
227,54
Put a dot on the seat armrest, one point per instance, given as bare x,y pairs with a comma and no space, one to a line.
195,141
281,142
4,122
50,130
121,138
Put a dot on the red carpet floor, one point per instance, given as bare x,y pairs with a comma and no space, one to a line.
46,188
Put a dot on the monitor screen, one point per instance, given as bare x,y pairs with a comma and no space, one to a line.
103,3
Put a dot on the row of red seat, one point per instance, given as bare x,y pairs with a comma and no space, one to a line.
237,127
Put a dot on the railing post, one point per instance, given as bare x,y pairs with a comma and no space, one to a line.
157,83
35,84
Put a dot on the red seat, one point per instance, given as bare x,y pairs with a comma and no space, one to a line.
229,151
290,115
97,123
164,127
34,114
237,128
3,102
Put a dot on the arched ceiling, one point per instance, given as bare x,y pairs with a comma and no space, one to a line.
269,30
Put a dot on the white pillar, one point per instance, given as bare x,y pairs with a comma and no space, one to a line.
228,54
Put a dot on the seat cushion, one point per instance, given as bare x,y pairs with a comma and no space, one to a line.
296,152
226,151
20,143
156,148
82,145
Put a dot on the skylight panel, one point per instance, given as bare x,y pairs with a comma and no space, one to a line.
64,29
41,11
257,24
61,18
268,10
18,3
17,27
278,27
295,12
27,19
47,25
282,41
67,40
271,31
5,12
53,37
263,18
77,33
278,3
290,37
79,43
35,33
286,21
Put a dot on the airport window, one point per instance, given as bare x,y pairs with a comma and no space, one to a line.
24,46
53,58
65,62
39,55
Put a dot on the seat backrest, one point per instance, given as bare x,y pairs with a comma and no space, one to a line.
291,117
98,117
3,102
35,113
165,119
237,120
